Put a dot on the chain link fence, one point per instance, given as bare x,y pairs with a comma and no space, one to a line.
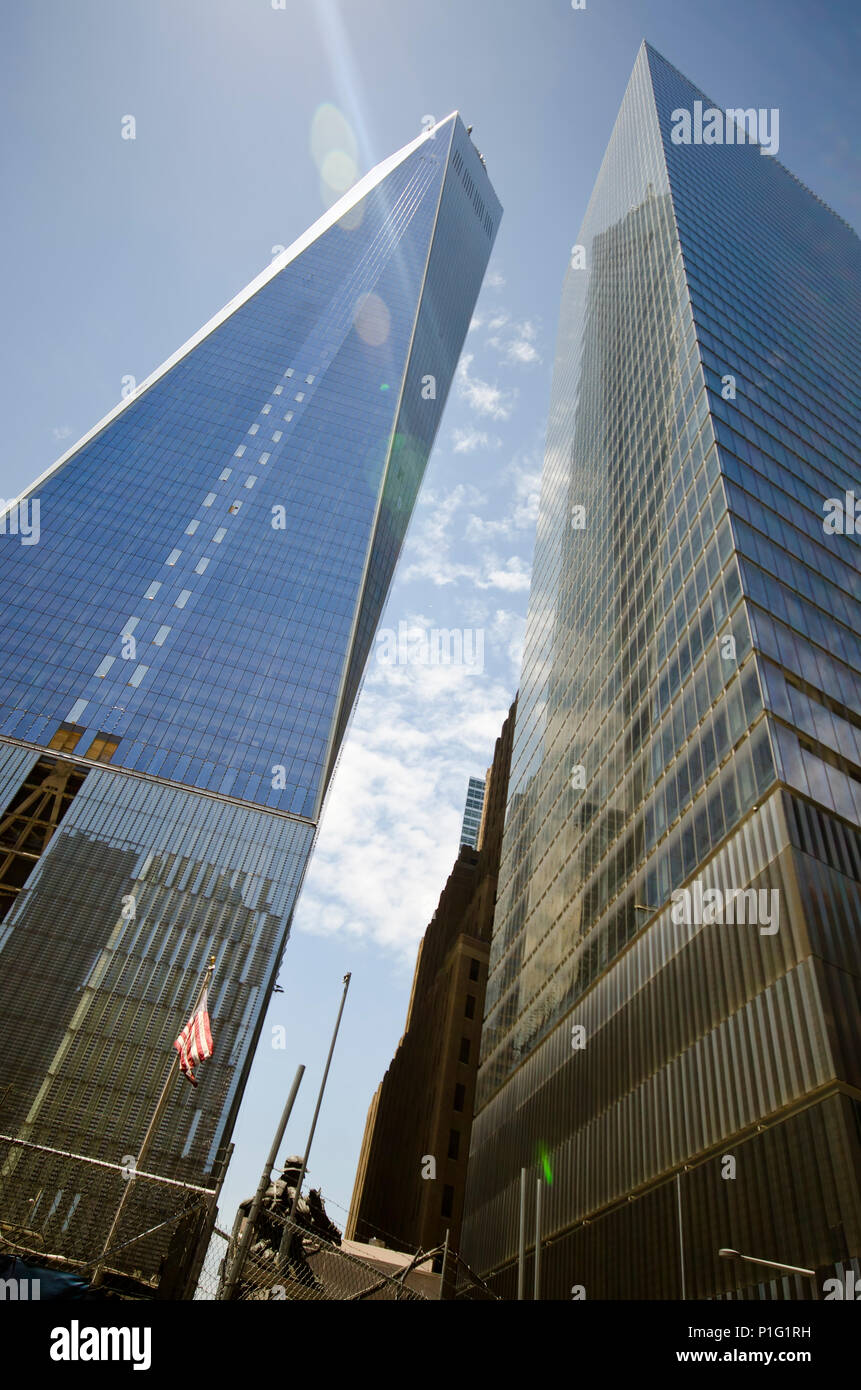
286,1262
213,1268
142,1236
60,1209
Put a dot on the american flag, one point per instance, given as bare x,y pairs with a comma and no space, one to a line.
194,1043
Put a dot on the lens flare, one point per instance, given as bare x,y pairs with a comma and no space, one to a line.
335,151
339,171
372,320
544,1158
330,130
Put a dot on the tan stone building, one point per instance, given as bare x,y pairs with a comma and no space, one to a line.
411,1176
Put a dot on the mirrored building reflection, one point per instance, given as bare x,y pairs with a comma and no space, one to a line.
689,718
179,658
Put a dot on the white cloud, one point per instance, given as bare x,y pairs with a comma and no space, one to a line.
508,629
390,831
494,280
428,549
426,553
480,395
520,350
479,528
527,491
468,440
525,475
514,575
61,431
517,345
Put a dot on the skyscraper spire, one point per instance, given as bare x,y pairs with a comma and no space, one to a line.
670,1016
180,655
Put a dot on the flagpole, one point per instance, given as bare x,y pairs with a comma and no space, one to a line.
152,1127
233,1271
286,1237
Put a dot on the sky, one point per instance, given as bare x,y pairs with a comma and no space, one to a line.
115,251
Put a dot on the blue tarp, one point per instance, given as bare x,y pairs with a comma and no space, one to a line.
38,1283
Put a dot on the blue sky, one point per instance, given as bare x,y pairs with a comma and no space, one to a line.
116,251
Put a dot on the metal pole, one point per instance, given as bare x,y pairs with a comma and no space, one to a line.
152,1128
772,1264
521,1257
232,1278
537,1289
206,1235
347,979
681,1235
444,1261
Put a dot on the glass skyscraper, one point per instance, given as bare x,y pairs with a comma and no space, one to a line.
180,654
472,812
682,1067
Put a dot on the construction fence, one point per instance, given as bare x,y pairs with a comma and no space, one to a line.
135,1232
141,1236
286,1262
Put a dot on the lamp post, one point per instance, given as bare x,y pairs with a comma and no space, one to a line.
727,1254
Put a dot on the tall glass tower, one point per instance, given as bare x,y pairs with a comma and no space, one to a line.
472,812
682,1067
179,658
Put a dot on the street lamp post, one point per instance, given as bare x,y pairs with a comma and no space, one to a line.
726,1254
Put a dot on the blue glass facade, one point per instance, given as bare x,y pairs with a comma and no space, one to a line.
213,561
688,714
472,812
